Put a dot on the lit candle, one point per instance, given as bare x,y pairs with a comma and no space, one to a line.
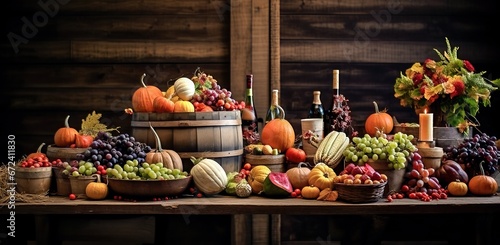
426,127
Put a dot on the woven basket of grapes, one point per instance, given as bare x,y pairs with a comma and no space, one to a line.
360,193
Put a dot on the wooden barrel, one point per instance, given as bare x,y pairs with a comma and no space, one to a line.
450,136
216,135
63,185
66,154
33,180
274,162
395,178
431,156
79,184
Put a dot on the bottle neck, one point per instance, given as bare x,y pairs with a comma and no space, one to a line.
274,98
249,91
316,98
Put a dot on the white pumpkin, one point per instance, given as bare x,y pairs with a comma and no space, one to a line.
184,88
208,176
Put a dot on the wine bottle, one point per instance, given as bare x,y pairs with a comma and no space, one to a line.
249,119
316,110
331,115
275,110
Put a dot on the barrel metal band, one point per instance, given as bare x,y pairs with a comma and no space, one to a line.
211,154
187,123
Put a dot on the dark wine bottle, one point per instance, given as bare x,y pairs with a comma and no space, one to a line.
316,110
331,114
249,119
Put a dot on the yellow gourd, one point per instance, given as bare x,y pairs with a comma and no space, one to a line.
183,106
458,188
322,176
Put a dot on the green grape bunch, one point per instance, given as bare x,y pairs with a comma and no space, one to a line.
133,170
395,150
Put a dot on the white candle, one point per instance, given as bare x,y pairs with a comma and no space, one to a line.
426,127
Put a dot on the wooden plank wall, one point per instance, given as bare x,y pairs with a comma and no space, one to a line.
73,57
78,56
370,42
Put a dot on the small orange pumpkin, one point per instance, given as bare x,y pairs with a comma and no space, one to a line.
458,188
183,106
483,185
65,136
298,176
279,134
83,140
310,192
143,97
96,190
380,121
162,104
169,158
38,153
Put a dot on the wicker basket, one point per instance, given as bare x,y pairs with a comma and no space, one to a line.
360,193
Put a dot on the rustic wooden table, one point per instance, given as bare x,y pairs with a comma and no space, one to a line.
243,209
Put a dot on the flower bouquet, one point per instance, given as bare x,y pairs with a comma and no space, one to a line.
450,88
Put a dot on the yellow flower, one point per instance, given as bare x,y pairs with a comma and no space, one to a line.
415,68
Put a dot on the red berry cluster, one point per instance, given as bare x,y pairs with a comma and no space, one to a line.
36,162
426,196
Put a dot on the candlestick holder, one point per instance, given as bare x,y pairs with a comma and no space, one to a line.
426,144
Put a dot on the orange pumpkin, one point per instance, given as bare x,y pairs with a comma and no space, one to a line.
183,106
162,104
65,136
83,140
380,121
96,190
143,97
169,158
310,192
38,153
279,134
483,185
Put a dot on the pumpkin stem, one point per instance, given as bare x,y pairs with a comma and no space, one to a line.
157,139
39,150
142,80
98,177
481,169
376,107
195,160
301,164
66,122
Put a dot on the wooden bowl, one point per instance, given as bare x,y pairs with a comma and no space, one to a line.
149,188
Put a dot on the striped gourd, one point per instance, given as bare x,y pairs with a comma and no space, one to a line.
330,150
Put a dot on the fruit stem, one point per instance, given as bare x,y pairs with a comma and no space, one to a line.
142,80
39,150
376,107
157,139
66,122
